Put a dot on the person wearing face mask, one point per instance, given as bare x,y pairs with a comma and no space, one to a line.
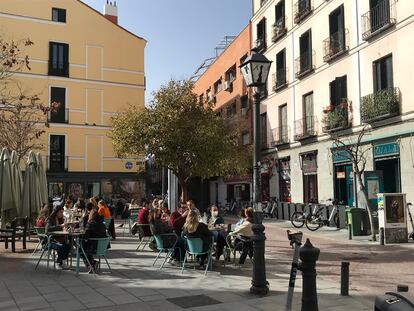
214,218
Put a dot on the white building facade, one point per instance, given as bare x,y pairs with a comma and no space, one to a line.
338,66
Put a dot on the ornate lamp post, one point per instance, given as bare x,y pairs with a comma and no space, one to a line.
255,70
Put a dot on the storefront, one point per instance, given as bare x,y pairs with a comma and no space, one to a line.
284,180
343,178
309,167
387,160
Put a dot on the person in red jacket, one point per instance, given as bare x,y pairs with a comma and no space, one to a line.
142,218
177,219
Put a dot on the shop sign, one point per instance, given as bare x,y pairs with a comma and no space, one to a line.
341,156
340,175
128,165
386,150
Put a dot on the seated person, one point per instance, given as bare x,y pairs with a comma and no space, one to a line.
214,219
177,219
165,216
68,210
245,230
242,217
195,229
158,226
42,219
55,223
95,228
85,216
142,219
105,212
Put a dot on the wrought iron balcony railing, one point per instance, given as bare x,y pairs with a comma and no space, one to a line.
380,105
305,64
57,68
306,128
335,45
279,29
302,9
379,18
279,79
336,117
59,116
279,136
56,163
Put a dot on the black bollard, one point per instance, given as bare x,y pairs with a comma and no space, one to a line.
344,278
260,286
381,236
309,255
349,232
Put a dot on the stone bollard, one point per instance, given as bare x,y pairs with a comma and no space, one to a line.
309,255
260,286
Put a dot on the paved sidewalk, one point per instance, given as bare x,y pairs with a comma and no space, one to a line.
136,285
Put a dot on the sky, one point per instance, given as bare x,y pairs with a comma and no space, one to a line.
180,33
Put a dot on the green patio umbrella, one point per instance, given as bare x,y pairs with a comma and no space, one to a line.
42,179
7,204
31,201
17,181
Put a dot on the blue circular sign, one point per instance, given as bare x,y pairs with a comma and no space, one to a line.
128,165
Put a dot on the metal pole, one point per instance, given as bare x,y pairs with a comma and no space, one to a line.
309,255
296,242
256,155
344,278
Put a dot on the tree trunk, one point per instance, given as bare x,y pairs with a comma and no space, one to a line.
184,190
371,220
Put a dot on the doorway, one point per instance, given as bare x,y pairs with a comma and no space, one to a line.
391,173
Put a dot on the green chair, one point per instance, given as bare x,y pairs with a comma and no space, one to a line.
133,218
159,240
101,248
47,248
230,248
107,222
144,239
195,248
41,235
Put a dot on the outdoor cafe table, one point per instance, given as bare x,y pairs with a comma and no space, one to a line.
76,235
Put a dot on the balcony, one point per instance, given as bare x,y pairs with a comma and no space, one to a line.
305,128
305,64
56,163
59,116
335,45
279,80
57,68
279,136
303,8
379,18
381,105
279,29
336,118
260,45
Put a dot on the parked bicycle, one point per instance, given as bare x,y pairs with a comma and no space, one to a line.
316,219
270,208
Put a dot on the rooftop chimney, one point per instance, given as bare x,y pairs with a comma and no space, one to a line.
111,11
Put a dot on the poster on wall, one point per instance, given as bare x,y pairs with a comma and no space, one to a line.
75,190
395,209
372,188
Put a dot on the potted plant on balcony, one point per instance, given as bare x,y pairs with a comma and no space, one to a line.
336,117
328,109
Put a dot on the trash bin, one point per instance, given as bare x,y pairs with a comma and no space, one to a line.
365,230
353,217
393,302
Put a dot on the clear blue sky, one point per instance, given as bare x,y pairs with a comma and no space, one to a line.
180,33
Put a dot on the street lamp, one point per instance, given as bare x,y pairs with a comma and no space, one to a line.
255,70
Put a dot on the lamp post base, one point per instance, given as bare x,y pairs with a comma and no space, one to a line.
260,291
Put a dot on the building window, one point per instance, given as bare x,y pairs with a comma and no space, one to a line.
231,110
304,62
279,27
59,15
338,91
58,95
261,36
335,44
381,15
244,105
308,113
231,74
262,2
383,75
302,9
284,180
218,86
310,177
58,59
210,97
246,138
283,124
201,100
57,160
280,77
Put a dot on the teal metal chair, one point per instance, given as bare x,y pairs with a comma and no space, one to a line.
144,240
133,218
41,235
107,222
230,248
47,248
101,248
195,248
167,249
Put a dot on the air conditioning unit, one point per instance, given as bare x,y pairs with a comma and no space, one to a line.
243,112
228,85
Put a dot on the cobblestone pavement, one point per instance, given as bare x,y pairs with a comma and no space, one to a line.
136,285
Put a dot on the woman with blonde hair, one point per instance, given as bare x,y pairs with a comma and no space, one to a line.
195,229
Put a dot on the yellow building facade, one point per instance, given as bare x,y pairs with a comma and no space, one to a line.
94,68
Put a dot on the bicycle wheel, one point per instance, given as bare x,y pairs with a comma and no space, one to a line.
313,223
297,219
336,220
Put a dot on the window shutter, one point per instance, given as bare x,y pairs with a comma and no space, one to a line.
332,92
389,73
